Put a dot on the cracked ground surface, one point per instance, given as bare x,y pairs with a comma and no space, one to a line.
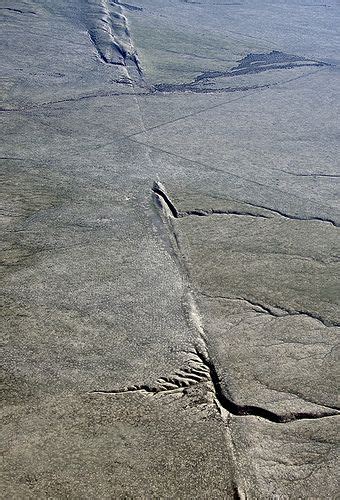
170,253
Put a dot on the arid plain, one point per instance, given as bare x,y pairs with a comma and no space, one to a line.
171,248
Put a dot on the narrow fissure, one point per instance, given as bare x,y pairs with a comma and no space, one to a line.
177,214
277,311
222,400
206,372
254,411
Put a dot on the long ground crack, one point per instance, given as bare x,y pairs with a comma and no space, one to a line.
202,370
276,311
226,403
177,214
223,401
162,196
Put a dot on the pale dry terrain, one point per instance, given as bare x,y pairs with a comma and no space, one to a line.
170,248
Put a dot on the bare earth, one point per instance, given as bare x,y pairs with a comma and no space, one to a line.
170,248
